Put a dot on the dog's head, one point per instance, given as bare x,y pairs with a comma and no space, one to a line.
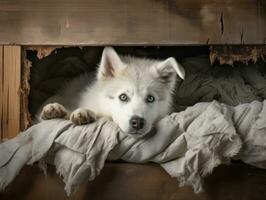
137,91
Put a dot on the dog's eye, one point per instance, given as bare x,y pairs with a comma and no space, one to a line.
150,99
123,97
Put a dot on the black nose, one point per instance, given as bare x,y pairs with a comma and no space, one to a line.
137,122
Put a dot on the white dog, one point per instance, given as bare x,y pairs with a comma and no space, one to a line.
134,92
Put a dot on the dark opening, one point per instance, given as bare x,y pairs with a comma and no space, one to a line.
204,82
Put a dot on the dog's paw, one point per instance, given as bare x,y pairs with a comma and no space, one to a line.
82,116
53,110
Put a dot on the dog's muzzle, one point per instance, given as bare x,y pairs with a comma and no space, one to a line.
137,123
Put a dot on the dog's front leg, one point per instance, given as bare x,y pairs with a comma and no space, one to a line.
82,116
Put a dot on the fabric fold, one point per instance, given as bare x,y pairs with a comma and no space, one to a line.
188,144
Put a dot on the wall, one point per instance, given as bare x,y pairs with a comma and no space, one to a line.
10,76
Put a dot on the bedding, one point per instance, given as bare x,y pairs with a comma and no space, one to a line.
187,144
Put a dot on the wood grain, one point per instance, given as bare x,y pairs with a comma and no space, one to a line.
132,22
10,91
142,182
1,92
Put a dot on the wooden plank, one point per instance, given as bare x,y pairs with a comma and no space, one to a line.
10,94
1,91
140,182
132,22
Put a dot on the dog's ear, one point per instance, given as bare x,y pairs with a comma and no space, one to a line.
169,66
110,64
166,71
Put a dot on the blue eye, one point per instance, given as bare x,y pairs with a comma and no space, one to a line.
123,97
150,99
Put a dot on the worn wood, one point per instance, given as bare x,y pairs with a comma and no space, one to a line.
1,91
142,182
25,116
132,22
10,91
228,54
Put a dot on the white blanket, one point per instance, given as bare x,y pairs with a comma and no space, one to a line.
188,145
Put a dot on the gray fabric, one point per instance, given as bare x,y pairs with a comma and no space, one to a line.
232,85
188,144
203,83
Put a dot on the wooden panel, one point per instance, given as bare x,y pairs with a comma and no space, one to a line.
1,92
141,182
132,22
10,92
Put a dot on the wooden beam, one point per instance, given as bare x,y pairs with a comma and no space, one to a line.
132,22
10,91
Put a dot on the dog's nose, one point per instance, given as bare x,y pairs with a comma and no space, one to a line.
137,122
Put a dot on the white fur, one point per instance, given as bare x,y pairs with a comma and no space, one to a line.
136,77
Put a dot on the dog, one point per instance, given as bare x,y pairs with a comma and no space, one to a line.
133,92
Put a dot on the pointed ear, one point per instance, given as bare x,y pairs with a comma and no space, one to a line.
110,64
166,72
170,67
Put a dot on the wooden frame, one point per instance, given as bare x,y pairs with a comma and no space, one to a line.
120,22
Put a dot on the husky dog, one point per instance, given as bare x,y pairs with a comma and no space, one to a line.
134,92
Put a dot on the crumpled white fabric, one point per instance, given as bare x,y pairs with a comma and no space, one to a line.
188,144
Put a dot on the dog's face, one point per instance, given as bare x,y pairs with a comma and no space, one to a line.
138,91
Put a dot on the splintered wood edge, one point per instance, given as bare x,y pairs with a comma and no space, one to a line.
225,54
25,116
44,51
228,54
